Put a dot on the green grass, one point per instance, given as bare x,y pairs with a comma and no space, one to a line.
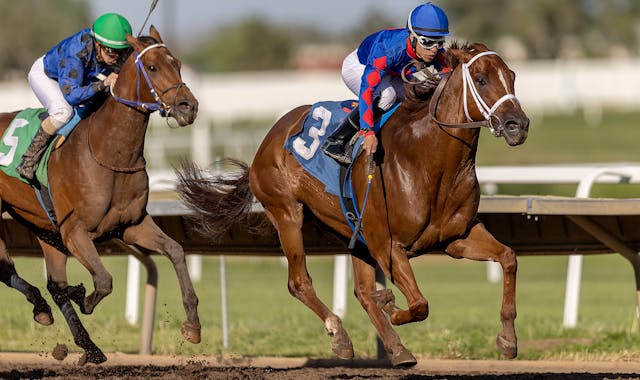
558,139
265,320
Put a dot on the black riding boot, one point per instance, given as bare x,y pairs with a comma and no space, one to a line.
337,145
33,154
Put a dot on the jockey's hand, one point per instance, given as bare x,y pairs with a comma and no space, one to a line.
370,144
110,80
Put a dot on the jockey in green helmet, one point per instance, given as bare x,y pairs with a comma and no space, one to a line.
76,72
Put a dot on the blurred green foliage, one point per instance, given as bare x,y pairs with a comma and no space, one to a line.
28,28
541,29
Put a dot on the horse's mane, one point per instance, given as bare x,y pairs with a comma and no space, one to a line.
147,40
451,60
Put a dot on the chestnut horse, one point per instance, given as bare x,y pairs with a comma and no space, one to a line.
423,197
99,188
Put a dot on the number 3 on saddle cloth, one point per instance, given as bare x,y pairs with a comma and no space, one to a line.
323,119
16,140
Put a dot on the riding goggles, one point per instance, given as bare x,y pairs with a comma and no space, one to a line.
429,43
113,53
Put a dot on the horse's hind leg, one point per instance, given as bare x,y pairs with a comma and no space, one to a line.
289,224
8,275
481,245
365,287
57,286
149,236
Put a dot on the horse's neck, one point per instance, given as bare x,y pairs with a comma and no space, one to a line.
117,133
426,142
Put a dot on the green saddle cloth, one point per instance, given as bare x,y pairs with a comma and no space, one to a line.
16,140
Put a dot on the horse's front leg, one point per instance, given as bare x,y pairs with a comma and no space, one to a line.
397,269
365,288
482,246
78,242
58,288
149,236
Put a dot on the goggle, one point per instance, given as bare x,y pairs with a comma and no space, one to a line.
113,53
429,43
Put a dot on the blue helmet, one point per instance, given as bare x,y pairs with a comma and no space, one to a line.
428,20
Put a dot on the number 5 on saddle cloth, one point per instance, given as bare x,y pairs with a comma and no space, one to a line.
16,140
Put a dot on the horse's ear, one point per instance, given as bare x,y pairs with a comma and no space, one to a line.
153,32
133,42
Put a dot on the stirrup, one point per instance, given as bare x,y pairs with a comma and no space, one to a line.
26,169
338,152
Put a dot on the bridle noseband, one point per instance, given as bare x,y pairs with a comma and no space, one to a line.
159,104
485,110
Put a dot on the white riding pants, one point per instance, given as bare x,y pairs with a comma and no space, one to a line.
390,90
48,92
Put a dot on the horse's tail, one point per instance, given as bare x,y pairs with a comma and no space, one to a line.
219,201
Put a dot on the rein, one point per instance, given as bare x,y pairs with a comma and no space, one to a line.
467,82
159,104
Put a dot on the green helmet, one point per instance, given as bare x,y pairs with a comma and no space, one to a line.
111,30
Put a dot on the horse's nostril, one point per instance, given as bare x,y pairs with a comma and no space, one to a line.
512,126
185,107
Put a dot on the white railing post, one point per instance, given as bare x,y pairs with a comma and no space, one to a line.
340,276
133,284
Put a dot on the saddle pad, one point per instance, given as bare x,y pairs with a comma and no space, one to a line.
323,119
18,136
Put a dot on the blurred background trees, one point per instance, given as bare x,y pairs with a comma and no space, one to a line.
28,28
519,29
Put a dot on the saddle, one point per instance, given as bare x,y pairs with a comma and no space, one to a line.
323,119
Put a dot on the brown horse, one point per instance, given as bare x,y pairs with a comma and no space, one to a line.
423,198
99,188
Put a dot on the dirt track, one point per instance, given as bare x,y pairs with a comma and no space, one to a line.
122,366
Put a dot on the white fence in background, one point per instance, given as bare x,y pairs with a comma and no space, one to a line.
490,178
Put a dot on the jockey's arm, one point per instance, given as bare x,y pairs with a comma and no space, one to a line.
71,82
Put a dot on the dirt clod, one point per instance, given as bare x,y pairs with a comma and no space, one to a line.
60,352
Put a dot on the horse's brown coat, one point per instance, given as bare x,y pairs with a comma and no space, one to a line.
100,190
424,197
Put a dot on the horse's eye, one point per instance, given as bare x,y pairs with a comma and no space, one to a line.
481,81
151,68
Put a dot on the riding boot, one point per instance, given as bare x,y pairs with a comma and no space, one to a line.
34,152
337,144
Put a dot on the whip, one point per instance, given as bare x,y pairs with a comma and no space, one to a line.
358,226
151,8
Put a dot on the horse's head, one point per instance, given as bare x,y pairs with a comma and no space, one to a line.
151,76
486,87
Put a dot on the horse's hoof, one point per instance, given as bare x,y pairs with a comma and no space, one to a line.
403,358
43,318
93,356
341,345
190,333
507,348
77,294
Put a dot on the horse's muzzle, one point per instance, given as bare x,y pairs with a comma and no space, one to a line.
185,111
515,130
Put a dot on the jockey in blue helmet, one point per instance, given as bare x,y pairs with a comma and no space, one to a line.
373,73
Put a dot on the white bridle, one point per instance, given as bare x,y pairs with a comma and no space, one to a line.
467,81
